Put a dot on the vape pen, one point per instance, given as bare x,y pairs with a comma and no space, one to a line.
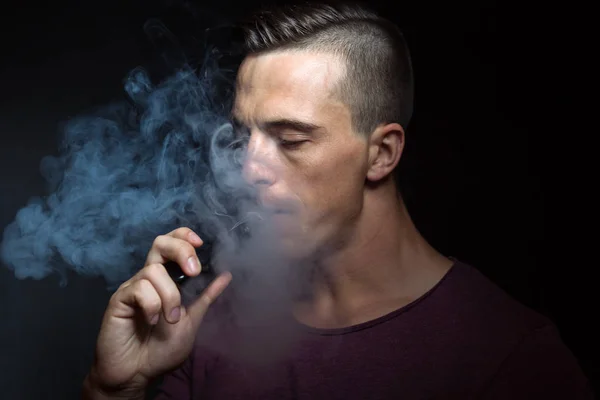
241,231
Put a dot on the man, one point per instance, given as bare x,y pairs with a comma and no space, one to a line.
324,95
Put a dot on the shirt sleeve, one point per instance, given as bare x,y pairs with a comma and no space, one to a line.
540,367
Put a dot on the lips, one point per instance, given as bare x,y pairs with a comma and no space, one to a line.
277,212
278,207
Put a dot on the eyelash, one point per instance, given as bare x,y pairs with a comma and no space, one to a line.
242,134
290,144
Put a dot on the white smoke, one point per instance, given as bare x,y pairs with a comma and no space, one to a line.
130,171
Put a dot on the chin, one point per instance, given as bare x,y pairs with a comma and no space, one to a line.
291,238
288,246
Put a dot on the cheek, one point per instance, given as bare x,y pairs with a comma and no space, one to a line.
346,163
334,177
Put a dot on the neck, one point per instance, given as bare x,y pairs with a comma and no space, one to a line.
384,265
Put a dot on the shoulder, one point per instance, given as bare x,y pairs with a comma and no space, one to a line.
539,366
521,348
474,300
475,317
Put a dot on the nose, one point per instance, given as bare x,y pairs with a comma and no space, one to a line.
258,163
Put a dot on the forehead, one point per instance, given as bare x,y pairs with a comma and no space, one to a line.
278,82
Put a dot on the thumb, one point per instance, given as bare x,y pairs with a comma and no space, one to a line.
198,308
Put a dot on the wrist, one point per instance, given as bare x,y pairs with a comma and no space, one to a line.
93,390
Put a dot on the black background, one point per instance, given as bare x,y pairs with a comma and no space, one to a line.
490,178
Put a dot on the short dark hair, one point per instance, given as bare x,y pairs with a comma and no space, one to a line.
378,86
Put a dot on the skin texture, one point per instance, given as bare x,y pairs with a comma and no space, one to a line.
344,215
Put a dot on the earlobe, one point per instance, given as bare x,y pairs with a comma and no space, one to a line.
386,146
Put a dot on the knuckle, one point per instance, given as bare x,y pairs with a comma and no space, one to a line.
171,295
120,290
114,298
122,287
144,286
159,241
153,305
156,282
185,249
152,271
147,295
182,232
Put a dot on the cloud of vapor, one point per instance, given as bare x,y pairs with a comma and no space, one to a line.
130,171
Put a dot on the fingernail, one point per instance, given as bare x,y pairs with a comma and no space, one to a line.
194,264
193,237
175,314
154,320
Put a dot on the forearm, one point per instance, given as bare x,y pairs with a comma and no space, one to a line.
92,391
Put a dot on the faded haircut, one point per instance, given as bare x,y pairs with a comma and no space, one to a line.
378,85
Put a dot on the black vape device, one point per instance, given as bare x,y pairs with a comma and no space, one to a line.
241,231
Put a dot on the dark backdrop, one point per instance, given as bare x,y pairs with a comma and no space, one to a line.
486,176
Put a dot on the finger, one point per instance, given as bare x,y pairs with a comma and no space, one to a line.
162,283
186,234
166,248
200,306
141,295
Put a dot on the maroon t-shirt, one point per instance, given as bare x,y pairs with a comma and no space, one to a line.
464,339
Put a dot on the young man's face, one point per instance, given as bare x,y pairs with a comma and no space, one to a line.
303,156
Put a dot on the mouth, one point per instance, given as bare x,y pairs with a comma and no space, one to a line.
274,207
277,208
280,211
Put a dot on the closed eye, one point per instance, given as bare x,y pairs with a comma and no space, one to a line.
291,144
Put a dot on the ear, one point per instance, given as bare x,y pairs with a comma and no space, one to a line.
385,149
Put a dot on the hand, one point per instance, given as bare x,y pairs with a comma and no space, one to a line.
146,331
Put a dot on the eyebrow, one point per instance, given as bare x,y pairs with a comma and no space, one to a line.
291,124
284,123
